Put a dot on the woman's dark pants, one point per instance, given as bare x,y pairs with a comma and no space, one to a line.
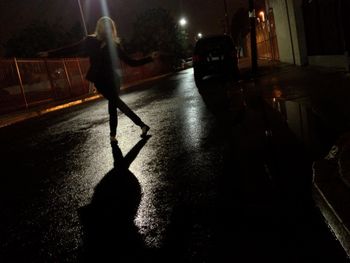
111,93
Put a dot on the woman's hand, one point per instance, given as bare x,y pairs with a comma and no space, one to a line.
43,54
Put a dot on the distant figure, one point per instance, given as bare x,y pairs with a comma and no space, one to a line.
103,48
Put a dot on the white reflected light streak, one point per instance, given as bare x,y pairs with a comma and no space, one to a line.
104,7
110,41
192,113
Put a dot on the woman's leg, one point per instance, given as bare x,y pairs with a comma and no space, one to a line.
107,91
128,112
136,119
113,116
110,92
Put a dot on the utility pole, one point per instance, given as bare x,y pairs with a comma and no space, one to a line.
227,27
253,46
82,18
290,31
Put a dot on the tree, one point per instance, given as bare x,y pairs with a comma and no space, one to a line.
40,36
155,29
240,25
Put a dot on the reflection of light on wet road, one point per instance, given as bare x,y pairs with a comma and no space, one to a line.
276,104
177,124
192,129
191,111
179,121
277,92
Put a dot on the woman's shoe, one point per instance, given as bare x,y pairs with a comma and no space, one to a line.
144,129
113,139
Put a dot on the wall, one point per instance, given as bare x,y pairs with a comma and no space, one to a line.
327,42
290,30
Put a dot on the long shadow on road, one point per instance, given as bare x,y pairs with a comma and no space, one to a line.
109,232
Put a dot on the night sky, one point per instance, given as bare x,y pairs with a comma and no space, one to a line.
203,15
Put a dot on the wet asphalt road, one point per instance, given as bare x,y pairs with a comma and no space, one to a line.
221,179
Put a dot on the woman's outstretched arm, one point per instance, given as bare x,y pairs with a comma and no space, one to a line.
66,51
135,62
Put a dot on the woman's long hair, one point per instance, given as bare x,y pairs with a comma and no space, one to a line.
106,31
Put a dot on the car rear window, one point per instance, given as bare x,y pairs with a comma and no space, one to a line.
223,43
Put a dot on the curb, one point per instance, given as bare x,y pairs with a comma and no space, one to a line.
29,115
328,190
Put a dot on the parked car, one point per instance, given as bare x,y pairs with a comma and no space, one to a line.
215,56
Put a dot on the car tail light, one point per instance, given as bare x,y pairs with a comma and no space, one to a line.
197,58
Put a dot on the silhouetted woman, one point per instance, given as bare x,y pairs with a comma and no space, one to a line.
103,49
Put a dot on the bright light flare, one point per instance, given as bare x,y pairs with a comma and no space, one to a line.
183,22
262,15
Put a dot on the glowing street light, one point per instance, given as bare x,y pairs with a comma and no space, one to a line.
199,35
183,22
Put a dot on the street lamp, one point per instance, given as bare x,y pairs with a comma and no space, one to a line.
253,47
183,22
199,35
262,15
82,18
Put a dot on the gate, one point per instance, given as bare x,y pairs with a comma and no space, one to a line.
266,38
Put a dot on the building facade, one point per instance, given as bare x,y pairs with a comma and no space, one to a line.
312,32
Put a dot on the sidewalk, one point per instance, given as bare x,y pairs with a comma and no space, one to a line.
18,116
315,104
332,189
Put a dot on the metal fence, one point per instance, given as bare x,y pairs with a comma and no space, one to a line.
27,83
266,39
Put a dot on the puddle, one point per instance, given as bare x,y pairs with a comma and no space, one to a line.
307,125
